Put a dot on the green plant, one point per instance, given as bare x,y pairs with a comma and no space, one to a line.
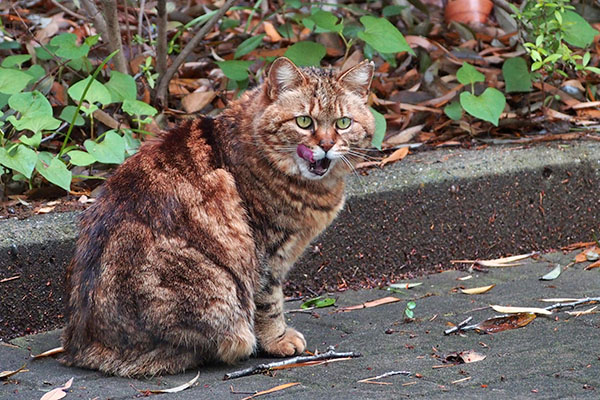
488,106
547,26
28,125
408,310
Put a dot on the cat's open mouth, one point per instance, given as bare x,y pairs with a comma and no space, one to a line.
319,167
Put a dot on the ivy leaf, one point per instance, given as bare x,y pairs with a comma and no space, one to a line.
16,60
516,75
325,22
33,141
576,30
236,70
306,54
488,106
36,71
467,74
453,111
19,158
13,80
67,115
384,37
110,151
56,172
121,87
318,302
380,129
97,93
66,44
248,45
36,112
81,158
137,107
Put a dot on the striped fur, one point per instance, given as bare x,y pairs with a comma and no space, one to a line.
181,259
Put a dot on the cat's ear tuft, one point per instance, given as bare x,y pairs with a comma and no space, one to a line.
283,75
358,78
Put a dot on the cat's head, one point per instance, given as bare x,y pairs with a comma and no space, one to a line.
316,122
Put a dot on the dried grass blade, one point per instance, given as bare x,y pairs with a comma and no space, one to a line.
48,353
272,390
177,388
369,304
8,374
478,290
517,310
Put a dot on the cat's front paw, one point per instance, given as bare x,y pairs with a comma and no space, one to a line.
290,343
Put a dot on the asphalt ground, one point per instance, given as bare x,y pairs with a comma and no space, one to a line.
553,357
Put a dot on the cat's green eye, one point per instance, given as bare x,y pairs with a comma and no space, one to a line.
343,123
304,121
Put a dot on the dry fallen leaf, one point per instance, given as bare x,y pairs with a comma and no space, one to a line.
465,357
48,353
582,257
45,210
369,304
517,310
196,101
395,156
552,274
593,265
177,388
271,31
272,390
478,290
499,324
8,374
58,393
406,285
560,300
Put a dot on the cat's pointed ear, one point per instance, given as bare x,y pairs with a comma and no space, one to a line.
283,75
358,78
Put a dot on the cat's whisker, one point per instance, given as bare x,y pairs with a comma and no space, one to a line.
362,155
350,166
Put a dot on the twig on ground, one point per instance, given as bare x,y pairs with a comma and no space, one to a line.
12,278
391,373
557,306
163,83
114,34
68,11
262,368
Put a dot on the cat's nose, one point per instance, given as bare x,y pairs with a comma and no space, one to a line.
326,144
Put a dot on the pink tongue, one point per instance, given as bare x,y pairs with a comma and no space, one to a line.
305,153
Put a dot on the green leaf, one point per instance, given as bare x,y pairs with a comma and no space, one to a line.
33,141
121,87
453,111
97,93
15,61
19,158
392,11
326,22
306,54
110,151
66,44
248,45
67,115
318,302
411,305
577,31
132,145
137,107
467,74
45,53
488,106
236,70
56,172
36,112
13,80
383,36
36,71
293,3
409,313
516,75
380,129
81,158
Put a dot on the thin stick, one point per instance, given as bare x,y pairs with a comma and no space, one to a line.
161,39
140,23
262,368
114,33
68,11
12,278
163,83
458,327
391,373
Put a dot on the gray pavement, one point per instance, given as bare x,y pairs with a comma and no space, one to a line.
553,357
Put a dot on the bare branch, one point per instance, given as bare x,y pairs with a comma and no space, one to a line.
261,368
68,11
114,34
161,40
141,21
163,83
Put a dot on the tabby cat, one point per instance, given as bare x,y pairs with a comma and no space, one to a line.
181,259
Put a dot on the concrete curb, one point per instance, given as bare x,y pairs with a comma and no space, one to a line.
414,216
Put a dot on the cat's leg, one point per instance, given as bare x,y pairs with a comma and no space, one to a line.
274,336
